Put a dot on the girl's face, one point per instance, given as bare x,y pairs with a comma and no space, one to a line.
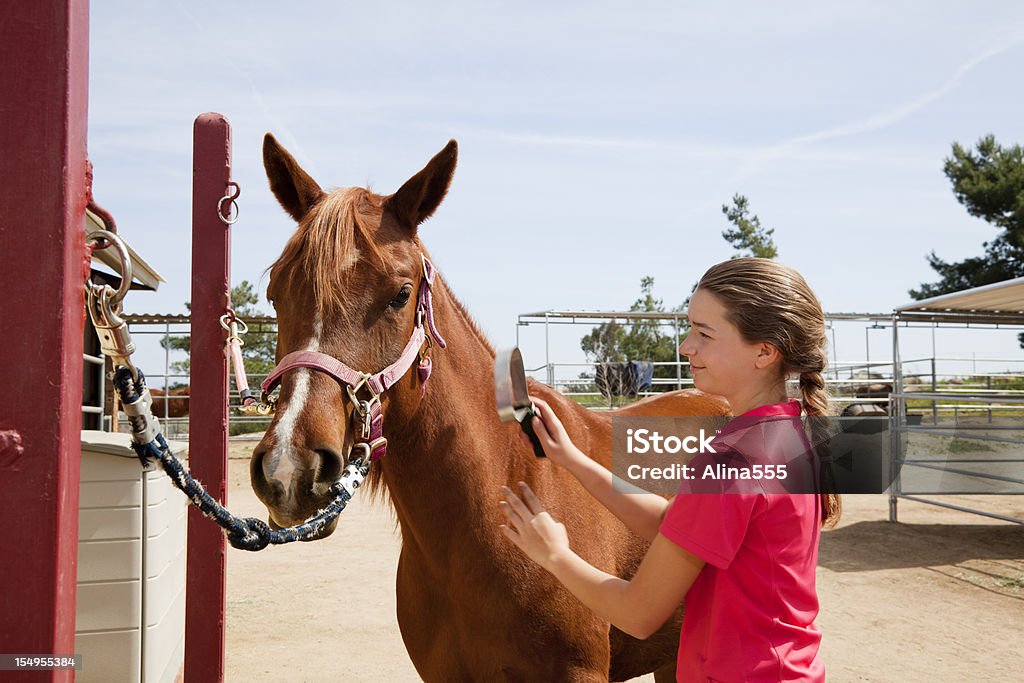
721,361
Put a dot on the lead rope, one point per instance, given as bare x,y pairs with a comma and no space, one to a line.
148,441
247,533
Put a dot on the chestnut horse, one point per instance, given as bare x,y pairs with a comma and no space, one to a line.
176,405
471,607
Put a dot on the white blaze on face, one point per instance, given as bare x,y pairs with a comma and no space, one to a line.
284,431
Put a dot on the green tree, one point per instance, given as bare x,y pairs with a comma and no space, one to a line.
604,343
258,349
646,339
748,237
989,182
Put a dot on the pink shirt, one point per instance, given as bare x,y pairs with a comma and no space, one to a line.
750,613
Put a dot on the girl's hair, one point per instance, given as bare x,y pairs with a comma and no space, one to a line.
770,302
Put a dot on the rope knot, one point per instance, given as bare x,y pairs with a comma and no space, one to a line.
252,534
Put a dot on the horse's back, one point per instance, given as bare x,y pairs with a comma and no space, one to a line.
684,402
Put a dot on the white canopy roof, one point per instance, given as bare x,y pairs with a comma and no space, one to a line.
998,302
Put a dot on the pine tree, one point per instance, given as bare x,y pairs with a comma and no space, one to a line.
989,183
749,238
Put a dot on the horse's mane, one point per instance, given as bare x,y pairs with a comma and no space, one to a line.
325,244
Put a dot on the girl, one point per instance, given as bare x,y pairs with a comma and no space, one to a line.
744,562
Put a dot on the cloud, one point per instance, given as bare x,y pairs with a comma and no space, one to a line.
692,149
789,148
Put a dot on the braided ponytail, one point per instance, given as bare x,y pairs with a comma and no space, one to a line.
816,406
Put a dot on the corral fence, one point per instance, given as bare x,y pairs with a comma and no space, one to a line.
956,421
172,407
973,443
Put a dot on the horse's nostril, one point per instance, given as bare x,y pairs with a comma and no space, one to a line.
260,465
328,465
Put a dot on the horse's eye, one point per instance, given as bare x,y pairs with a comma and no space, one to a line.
402,298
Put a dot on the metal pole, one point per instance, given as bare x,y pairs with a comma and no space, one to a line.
44,48
896,422
167,371
208,412
988,385
679,367
835,357
547,352
867,351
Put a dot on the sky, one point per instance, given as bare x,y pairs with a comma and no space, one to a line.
598,141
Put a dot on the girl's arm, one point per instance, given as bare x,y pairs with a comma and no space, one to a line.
638,607
639,510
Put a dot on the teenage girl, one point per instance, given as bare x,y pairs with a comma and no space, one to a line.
743,563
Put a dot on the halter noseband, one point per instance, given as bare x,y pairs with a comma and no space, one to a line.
371,436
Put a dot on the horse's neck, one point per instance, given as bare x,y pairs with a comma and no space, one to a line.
444,462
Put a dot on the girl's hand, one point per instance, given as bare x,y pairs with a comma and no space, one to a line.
556,442
532,528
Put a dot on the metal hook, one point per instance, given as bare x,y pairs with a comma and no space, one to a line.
112,330
229,319
102,240
230,198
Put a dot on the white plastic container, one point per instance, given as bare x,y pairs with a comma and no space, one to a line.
130,617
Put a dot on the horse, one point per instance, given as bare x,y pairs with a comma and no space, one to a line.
348,288
173,403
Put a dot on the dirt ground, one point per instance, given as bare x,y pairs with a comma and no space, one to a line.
938,597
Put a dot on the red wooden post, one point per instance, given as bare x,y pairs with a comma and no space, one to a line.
44,49
208,386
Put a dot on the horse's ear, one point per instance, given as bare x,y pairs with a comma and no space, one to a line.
292,186
420,196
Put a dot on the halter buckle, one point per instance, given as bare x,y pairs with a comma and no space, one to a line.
425,349
266,406
353,391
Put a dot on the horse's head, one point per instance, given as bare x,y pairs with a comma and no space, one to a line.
351,285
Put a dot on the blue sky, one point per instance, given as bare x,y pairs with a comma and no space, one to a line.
598,141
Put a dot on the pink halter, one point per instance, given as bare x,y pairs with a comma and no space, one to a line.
371,437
